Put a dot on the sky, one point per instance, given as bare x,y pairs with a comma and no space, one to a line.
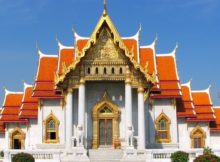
194,24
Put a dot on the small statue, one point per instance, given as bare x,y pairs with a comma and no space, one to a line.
130,133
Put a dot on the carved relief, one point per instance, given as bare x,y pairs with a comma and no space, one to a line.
104,49
105,60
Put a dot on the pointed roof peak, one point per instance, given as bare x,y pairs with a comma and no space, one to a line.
104,8
26,85
173,53
11,92
41,54
77,36
136,36
188,84
207,90
153,44
61,46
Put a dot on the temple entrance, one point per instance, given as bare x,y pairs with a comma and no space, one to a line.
17,138
105,132
106,117
16,144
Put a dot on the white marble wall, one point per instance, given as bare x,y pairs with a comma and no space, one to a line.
183,134
10,129
215,140
159,106
185,129
2,141
55,107
33,134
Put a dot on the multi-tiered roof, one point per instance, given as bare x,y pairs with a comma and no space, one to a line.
160,69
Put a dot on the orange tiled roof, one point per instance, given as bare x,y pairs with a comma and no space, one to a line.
203,106
44,83
66,57
11,107
215,125
81,43
29,106
168,77
147,56
185,106
2,128
132,46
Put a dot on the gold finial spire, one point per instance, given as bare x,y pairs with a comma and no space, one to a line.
105,8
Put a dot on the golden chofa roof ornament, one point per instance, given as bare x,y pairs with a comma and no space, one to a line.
104,8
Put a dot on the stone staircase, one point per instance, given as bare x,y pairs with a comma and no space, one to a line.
105,155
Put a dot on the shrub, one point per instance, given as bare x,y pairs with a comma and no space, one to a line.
207,150
23,157
179,156
207,156
1,154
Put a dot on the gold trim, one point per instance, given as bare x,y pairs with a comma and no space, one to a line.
17,133
116,39
114,115
198,132
57,123
157,123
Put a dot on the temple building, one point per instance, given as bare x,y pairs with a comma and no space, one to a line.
107,97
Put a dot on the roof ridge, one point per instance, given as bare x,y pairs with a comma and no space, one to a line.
77,36
41,54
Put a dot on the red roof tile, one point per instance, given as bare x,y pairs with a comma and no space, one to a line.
11,107
66,57
203,106
215,125
29,107
169,85
132,46
185,106
81,43
2,128
147,56
46,68
44,83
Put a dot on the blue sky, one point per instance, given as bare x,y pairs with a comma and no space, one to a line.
194,24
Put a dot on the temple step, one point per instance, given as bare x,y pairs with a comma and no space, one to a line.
105,155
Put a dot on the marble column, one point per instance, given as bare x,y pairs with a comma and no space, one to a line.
81,112
128,108
69,118
141,118
40,121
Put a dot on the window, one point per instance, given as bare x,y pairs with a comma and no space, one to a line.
105,110
88,70
96,70
105,71
120,71
113,70
51,129
197,137
163,129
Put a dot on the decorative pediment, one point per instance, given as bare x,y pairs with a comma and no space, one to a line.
104,103
104,44
105,49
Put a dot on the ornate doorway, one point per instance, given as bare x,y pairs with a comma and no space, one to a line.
105,115
17,139
105,132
